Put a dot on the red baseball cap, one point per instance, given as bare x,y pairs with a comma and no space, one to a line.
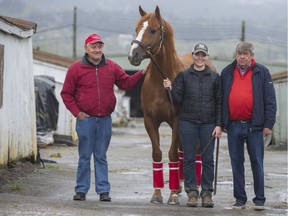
93,38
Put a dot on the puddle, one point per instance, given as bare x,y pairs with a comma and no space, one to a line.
277,174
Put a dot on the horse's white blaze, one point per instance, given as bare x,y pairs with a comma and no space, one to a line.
139,37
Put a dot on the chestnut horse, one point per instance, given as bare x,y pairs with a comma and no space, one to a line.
155,40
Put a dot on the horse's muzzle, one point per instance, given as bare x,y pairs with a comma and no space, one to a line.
134,60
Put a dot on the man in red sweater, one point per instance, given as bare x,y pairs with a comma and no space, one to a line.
248,114
88,93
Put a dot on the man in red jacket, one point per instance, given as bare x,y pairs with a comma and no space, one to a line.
88,94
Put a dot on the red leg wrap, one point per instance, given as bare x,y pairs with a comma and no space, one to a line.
158,178
174,178
198,169
181,165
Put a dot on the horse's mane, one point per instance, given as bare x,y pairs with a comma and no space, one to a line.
185,58
169,35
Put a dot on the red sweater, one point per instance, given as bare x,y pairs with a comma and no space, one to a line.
241,96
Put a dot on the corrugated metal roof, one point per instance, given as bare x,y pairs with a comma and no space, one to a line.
52,58
280,75
23,24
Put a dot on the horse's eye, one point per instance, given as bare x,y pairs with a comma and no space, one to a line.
153,31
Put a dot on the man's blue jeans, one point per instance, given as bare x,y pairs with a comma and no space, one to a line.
190,133
94,134
238,133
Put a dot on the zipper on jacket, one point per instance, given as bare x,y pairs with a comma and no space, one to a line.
99,104
200,97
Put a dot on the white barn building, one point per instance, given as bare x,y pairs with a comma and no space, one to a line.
17,99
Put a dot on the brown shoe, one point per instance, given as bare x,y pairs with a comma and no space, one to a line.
207,201
192,201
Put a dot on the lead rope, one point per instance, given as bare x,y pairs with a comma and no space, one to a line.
216,160
216,166
162,74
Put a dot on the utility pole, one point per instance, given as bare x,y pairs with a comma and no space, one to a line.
243,31
74,33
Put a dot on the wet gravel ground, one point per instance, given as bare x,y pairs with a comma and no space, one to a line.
33,190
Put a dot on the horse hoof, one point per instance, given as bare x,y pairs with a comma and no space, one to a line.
173,200
156,200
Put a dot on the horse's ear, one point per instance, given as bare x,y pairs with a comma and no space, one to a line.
142,12
157,12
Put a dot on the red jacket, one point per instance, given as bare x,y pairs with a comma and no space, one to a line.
90,88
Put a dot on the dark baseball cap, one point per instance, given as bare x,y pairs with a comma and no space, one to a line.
200,47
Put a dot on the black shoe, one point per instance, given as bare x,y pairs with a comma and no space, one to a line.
79,196
238,206
104,197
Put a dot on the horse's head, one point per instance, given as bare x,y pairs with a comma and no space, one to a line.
149,36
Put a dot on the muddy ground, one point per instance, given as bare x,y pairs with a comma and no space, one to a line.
29,189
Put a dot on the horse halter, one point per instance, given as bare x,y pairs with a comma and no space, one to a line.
148,49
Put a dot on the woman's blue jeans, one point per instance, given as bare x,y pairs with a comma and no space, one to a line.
238,133
190,133
94,134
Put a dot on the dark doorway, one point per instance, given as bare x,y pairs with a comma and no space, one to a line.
135,102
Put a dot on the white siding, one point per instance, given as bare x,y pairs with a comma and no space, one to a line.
17,115
280,129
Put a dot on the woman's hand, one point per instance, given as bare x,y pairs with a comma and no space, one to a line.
217,132
167,84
